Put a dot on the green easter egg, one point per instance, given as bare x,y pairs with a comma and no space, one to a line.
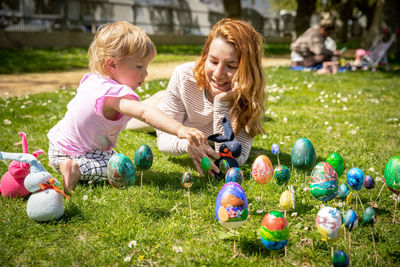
303,154
120,171
337,163
392,174
369,215
205,164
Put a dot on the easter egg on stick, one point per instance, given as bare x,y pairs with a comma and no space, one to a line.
303,154
287,199
324,182
276,151
187,182
328,223
343,191
281,175
120,171
262,172
369,217
274,231
234,174
355,179
350,222
143,160
369,184
340,259
392,174
205,164
223,166
337,163
231,206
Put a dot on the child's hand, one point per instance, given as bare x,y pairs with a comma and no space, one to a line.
193,135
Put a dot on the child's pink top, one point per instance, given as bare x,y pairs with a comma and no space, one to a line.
84,128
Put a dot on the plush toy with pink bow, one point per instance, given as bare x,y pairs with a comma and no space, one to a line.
12,182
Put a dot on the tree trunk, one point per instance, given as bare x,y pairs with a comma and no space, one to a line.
233,8
305,8
346,13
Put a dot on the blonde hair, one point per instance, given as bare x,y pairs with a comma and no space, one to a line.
118,40
247,109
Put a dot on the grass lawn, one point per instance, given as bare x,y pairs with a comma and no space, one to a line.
355,114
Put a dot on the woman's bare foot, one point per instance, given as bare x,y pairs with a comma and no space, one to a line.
71,174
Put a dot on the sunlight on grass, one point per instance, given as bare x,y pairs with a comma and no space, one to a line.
355,114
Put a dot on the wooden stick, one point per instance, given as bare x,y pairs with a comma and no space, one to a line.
262,193
395,208
362,206
141,182
344,228
356,201
278,160
190,207
234,243
331,249
373,241
349,248
370,196
380,192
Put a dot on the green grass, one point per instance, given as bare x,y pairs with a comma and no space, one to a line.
358,118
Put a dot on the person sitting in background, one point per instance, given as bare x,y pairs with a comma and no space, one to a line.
310,49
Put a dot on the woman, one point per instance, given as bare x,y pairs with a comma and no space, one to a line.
227,81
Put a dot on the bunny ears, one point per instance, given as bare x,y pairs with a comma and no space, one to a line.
228,133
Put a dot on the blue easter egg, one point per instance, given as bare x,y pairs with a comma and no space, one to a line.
234,174
369,182
143,158
281,175
350,219
231,206
343,191
340,259
275,149
355,178
120,171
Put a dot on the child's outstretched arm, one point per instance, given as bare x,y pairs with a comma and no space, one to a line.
156,118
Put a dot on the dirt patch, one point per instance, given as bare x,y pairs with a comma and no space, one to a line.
22,84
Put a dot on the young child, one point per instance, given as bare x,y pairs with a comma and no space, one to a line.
80,145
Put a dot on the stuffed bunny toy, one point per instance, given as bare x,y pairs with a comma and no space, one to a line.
230,149
46,201
12,182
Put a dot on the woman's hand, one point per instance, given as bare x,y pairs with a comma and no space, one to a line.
198,152
229,95
193,135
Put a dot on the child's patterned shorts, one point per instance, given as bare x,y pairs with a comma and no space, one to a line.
92,165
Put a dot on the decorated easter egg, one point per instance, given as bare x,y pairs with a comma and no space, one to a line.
231,207
392,174
369,215
303,154
343,191
262,170
120,171
328,223
369,182
187,180
143,158
286,200
274,231
223,166
281,175
275,149
355,178
340,259
44,206
234,174
337,163
350,219
324,182
205,164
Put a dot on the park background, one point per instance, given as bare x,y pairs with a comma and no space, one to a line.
353,113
